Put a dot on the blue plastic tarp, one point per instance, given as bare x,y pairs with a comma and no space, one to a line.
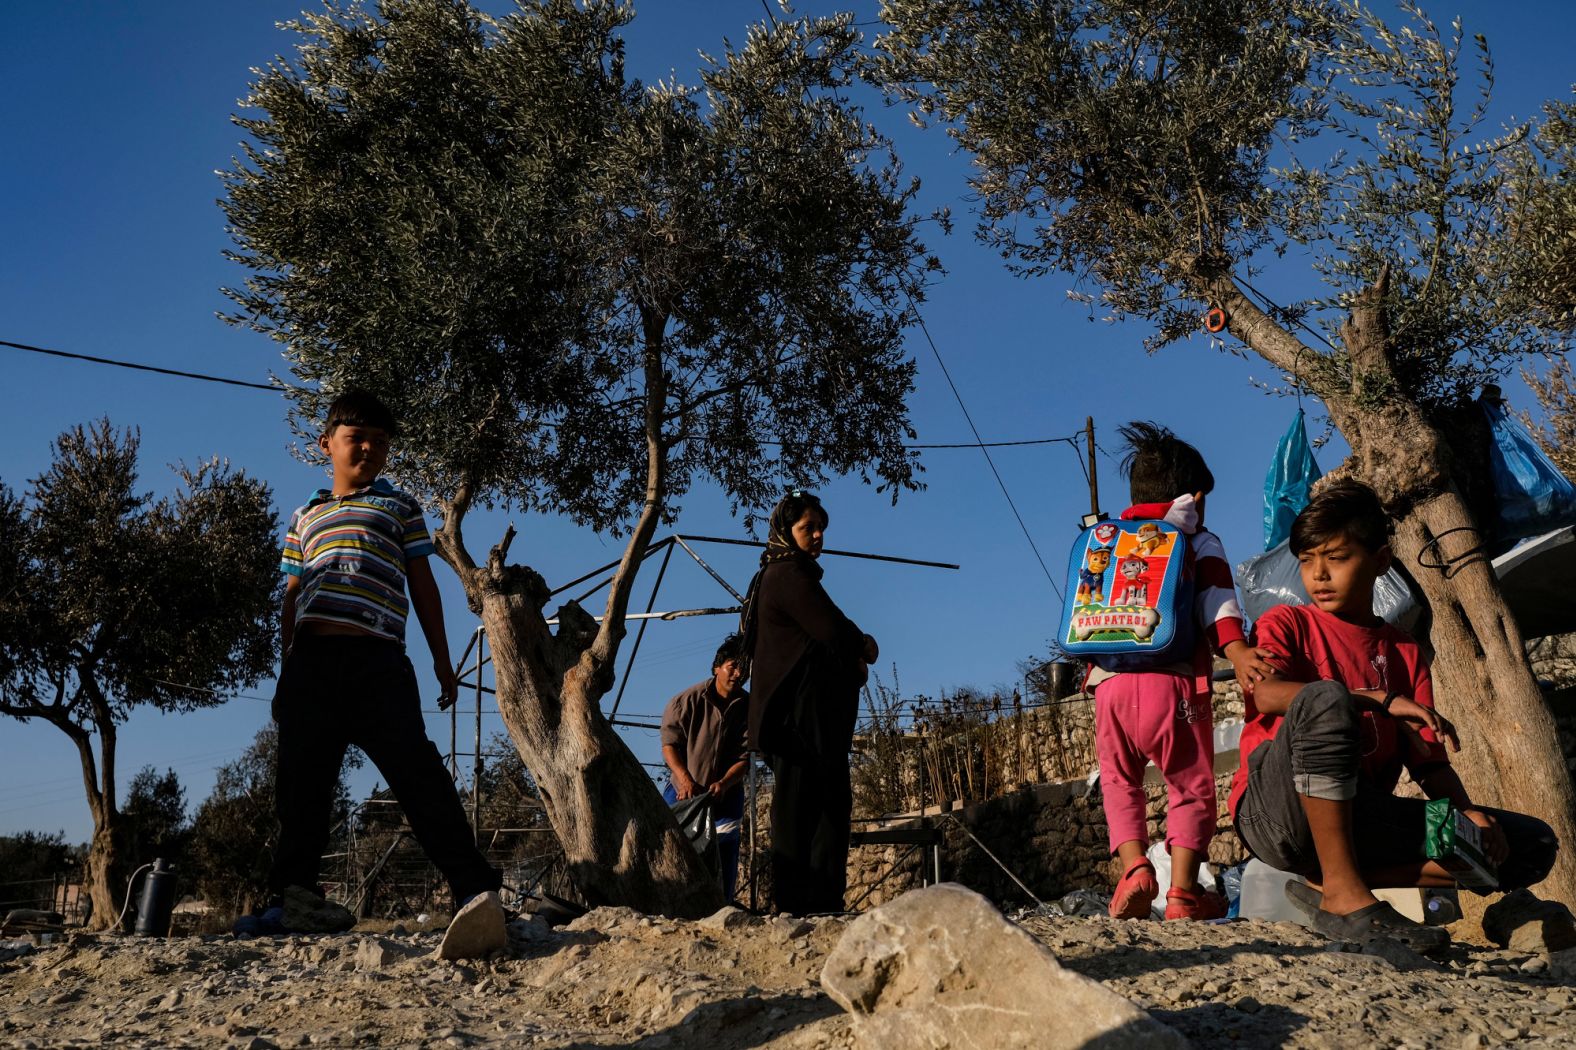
1531,494
1286,487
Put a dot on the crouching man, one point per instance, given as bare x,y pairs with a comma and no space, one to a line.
1327,736
703,746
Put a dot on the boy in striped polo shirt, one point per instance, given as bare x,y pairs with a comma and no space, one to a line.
345,679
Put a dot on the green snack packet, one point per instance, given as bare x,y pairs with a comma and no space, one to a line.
1457,844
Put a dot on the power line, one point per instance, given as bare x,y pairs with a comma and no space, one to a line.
277,388
143,368
1073,441
985,451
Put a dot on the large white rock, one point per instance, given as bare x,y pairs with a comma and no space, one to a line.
940,967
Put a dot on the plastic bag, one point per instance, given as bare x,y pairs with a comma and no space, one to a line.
1272,578
1160,857
1286,487
695,821
1532,495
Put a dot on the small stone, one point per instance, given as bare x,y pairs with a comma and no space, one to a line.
372,954
531,930
1534,965
1521,922
726,918
1562,967
477,930
1246,1004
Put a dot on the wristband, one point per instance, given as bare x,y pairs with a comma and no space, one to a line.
1389,698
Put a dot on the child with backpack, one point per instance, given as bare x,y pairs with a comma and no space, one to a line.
1166,576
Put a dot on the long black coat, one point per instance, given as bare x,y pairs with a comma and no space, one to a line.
807,668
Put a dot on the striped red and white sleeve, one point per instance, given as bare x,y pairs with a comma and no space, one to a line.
1214,594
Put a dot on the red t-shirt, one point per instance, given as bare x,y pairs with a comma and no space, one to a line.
1310,645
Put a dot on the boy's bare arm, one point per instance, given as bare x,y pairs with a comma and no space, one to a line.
428,604
1273,696
287,613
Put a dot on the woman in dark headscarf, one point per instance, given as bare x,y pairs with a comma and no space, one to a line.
809,663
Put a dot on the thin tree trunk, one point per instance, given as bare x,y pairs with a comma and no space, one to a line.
102,868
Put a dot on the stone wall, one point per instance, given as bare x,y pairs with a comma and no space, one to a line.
1050,836
1053,836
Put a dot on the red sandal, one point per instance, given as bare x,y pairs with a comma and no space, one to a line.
1199,905
1135,891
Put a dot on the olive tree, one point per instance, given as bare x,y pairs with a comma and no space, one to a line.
1171,156
111,600
582,295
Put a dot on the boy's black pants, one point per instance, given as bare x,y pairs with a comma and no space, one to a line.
811,804
338,690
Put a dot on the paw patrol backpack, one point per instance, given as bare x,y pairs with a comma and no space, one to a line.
1129,604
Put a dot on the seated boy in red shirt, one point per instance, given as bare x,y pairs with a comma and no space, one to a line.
1327,736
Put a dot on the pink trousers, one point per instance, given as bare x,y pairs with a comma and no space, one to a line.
1151,716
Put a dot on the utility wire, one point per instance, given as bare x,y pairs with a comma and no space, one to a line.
1273,305
985,451
280,388
142,368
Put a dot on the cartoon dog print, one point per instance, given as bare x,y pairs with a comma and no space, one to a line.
1132,588
1091,585
1150,539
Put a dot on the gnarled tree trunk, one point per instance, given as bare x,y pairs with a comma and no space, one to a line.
1510,752
621,842
619,838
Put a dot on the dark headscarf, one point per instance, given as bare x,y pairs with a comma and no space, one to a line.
780,546
779,541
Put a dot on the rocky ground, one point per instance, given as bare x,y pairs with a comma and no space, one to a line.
614,978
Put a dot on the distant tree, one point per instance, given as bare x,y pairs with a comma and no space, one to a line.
155,817
31,856
235,830
1555,390
110,600
1170,156
583,295
1537,211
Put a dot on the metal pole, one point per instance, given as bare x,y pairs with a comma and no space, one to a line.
713,572
753,790
829,551
476,777
454,714
641,633
1094,480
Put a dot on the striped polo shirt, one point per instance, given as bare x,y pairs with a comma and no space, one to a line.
350,553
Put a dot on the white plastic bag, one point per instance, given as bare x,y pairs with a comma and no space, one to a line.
1272,578
1160,857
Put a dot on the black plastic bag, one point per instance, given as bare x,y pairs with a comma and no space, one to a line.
695,817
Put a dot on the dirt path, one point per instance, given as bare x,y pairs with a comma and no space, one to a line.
615,978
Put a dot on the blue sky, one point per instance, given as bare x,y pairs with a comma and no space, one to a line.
116,116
